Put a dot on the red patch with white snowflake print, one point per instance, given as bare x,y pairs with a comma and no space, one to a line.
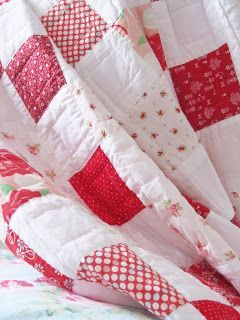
154,41
75,28
213,310
17,199
22,251
36,74
214,280
198,207
207,88
119,267
11,164
104,192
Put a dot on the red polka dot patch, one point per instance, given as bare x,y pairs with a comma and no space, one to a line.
216,311
74,27
36,74
207,88
119,267
104,192
198,207
214,280
22,251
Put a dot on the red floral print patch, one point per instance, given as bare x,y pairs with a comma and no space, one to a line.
213,310
22,251
36,74
17,198
214,280
75,28
119,267
104,192
1,70
11,164
207,88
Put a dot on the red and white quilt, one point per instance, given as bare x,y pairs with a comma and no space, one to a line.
119,150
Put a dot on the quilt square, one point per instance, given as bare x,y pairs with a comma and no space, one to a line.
75,28
107,266
207,88
36,74
104,192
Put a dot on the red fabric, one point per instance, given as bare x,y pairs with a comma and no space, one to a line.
1,70
21,250
104,192
212,310
119,267
207,88
3,1
11,164
36,74
214,280
198,207
74,27
235,220
17,198
155,42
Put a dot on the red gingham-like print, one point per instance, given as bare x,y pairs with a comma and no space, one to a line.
207,88
75,28
22,251
213,310
104,192
214,280
119,267
36,74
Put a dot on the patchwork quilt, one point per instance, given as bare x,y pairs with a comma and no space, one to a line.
119,150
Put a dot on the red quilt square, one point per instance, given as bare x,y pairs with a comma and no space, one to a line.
104,192
74,27
36,74
207,88
213,310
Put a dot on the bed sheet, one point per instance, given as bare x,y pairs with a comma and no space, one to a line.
26,295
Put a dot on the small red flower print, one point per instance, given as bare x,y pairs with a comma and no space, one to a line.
160,112
104,133
90,125
181,148
92,106
178,110
109,117
7,136
234,194
51,174
134,135
154,135
143,115
229,255
173,208
33,149
161,153
144,94
202,248
174,131
163,93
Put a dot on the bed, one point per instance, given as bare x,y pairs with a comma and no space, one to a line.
25,294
